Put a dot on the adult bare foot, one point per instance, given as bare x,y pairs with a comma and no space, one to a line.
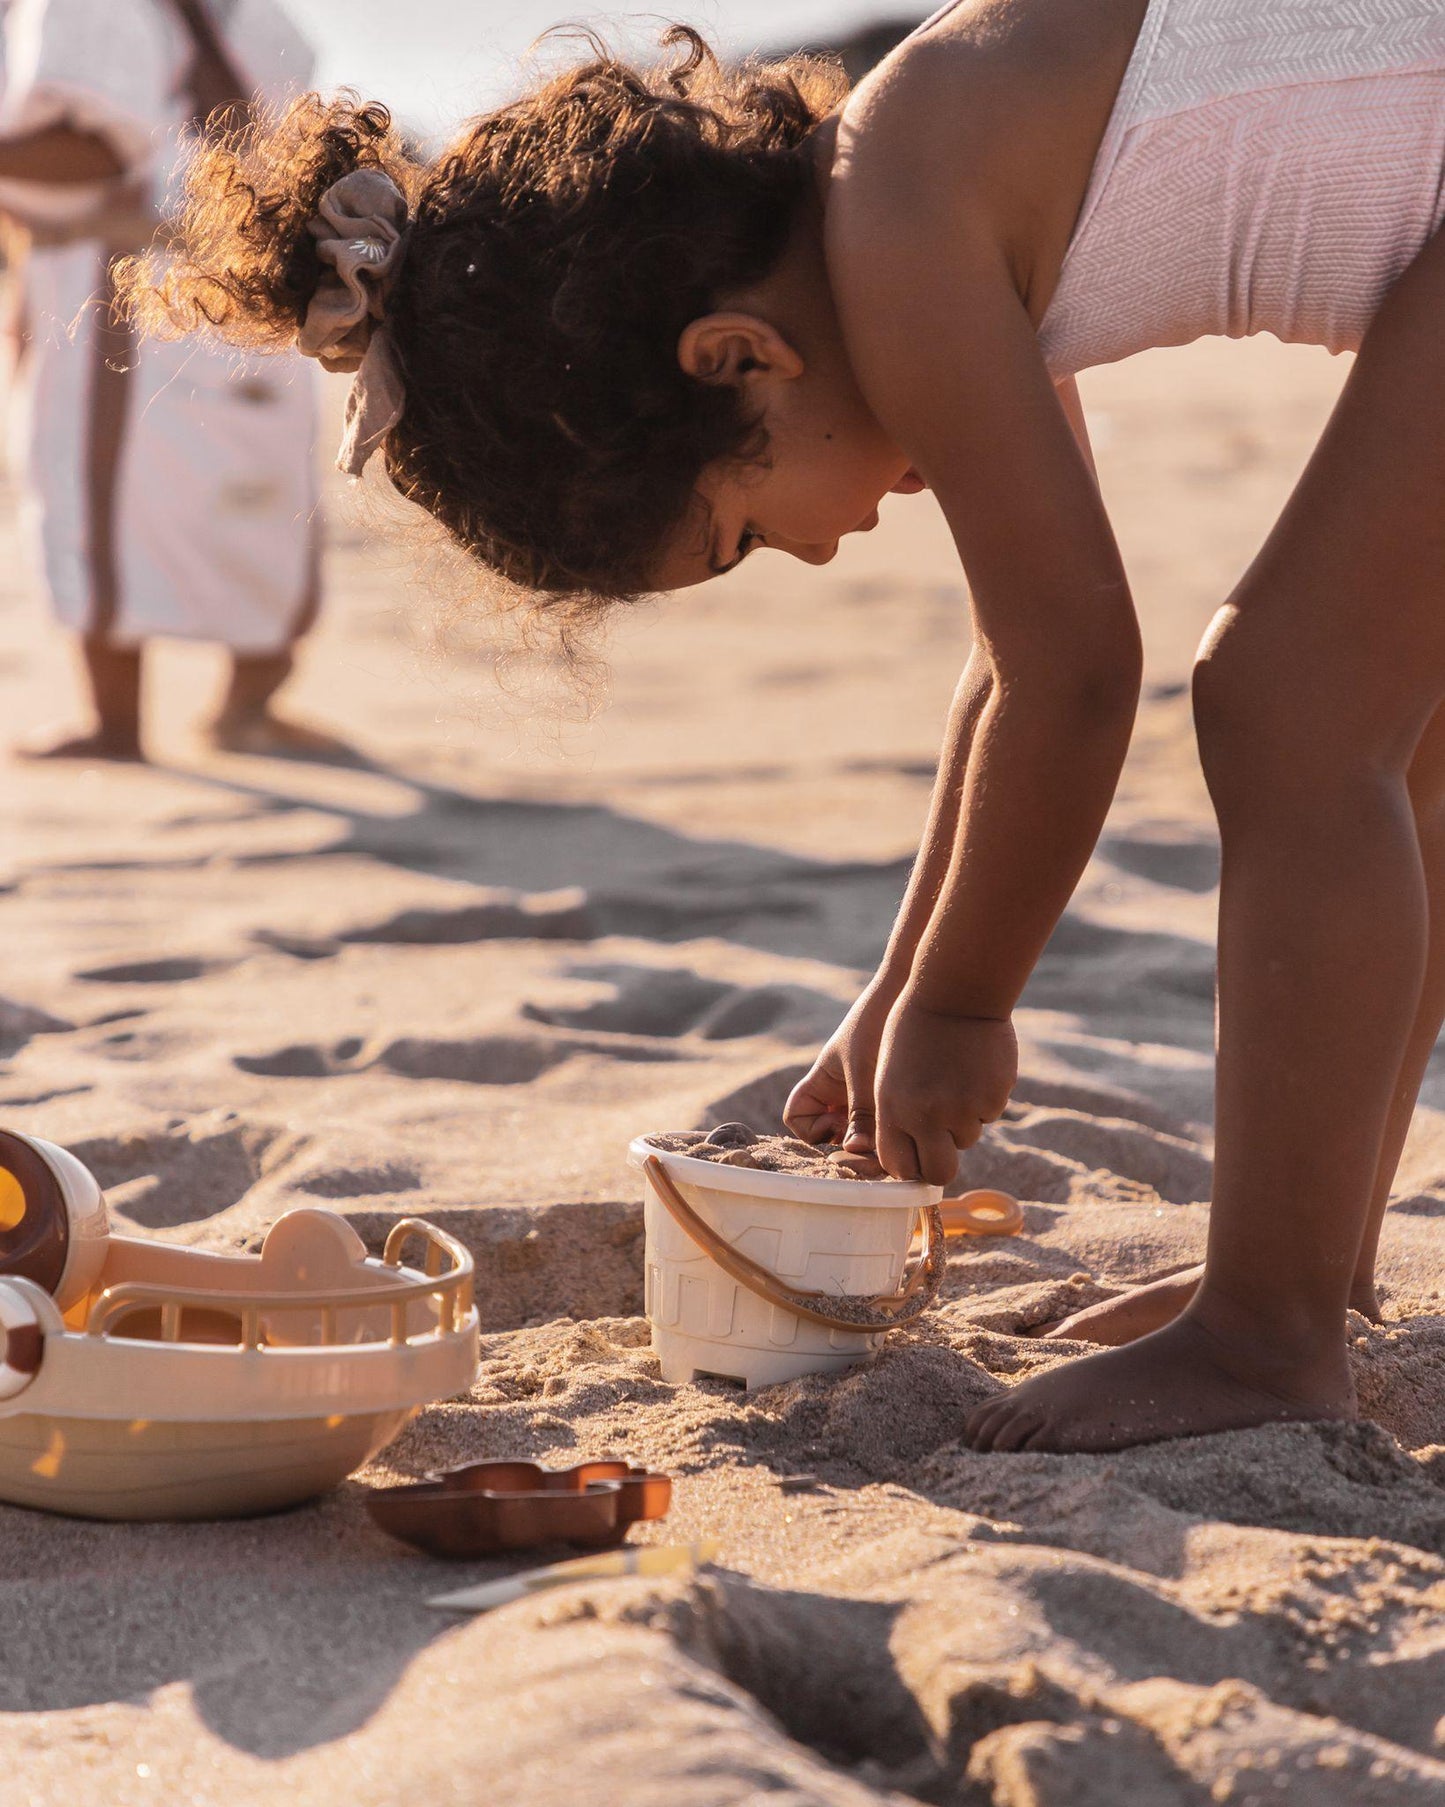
1130,1315
264,735
105,743
1181,1381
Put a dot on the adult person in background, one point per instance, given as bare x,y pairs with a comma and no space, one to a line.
172,487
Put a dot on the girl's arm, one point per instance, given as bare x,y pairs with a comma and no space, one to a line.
940,830
949,361
1068,394
834,1101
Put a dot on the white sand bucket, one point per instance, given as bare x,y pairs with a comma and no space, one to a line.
760,1277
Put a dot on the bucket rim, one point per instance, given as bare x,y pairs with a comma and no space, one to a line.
794,1188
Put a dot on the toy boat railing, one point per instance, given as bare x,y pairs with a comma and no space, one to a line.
448,1266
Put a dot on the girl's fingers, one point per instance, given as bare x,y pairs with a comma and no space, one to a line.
897,1153
937,1156
817,1106
930,1155
815,1126
862,1133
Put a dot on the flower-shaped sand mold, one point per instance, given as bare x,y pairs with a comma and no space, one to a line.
493,1508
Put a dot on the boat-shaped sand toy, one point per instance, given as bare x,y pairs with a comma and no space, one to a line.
139,1380
490,1508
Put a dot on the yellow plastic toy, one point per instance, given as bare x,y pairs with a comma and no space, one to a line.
143,1381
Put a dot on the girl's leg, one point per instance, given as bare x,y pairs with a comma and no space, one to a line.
114,677
1316,689
1427,794
1145,1308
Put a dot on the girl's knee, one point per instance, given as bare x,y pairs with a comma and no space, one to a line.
1233,724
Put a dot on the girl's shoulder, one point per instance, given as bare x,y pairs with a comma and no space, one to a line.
993,111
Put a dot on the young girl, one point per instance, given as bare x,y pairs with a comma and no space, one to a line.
642,323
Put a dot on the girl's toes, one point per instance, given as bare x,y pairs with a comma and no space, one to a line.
983,1422
1040,1437
1016,1430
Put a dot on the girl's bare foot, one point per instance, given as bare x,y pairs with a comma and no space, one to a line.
105,743
1131,1315
1181,1381
1144,1309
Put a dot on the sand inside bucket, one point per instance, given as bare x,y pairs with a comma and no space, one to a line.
735,1145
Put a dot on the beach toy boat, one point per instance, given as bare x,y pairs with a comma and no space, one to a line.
139,1380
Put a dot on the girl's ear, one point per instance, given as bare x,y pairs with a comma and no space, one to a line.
731,348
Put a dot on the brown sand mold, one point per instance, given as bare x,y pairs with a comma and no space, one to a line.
492,1508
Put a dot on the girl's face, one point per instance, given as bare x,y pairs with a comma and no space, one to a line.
828,463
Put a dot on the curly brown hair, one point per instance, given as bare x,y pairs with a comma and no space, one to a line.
558,249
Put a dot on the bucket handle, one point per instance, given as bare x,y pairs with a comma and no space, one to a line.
884,1311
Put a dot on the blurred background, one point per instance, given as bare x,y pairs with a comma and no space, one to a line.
390,51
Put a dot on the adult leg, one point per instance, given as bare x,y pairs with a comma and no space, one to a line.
113,674
247,723
255,679
1319,681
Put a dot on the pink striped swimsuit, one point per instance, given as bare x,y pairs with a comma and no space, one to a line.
1269,166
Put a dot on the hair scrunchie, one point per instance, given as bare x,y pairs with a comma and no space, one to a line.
361,233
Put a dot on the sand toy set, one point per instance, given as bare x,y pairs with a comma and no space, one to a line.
140,1380
760,1268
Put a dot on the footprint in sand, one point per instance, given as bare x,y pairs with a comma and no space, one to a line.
366,1181
153,972
163,1178
644,1001
471,1059
667,1001
19,1022
1179,1171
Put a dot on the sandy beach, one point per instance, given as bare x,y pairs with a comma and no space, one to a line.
456,982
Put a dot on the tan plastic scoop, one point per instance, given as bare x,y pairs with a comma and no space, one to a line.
983,1212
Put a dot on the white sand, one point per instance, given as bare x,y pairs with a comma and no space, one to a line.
460,983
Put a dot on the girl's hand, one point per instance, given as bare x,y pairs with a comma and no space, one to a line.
834,1102
940,1079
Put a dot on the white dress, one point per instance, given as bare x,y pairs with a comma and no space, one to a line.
172,490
